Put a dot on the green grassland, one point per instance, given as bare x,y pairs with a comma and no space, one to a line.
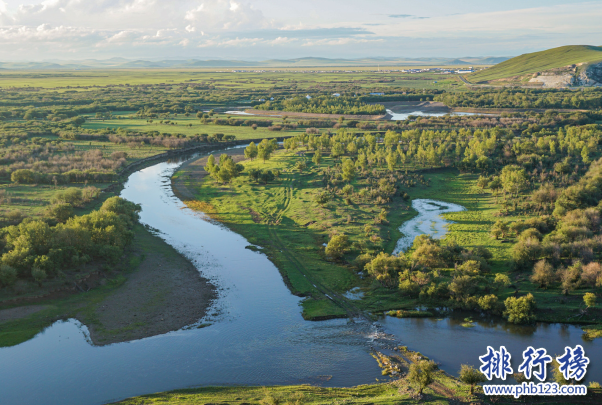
539,61
283,218
189,126
221,78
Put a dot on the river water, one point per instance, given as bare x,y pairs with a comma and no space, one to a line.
257,334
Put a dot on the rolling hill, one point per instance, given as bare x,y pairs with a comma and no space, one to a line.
531,63
121,63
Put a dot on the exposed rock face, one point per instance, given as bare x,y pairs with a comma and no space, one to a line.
591,76
552,80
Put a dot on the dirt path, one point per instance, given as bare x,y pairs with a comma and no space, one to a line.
165,293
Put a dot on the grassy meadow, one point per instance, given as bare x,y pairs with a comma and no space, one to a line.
283,218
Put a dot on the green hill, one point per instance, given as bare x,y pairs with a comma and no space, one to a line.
539,61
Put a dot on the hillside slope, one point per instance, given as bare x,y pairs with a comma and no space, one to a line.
539,61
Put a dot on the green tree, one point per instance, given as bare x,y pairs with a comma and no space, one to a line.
502,280
471,376
337,150
499,229
251,151
348,170
317,157
520,310
23,176
513,178
60,211
337,246
8,275
264,152
384,267
392,160
589,299
421,374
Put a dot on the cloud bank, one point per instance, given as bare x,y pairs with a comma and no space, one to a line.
262,29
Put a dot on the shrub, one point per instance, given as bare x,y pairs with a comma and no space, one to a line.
489,303
24,176
38,275
60,211
589,299
543,274
337,246
421,374
471,376
520,310
502,280
8,275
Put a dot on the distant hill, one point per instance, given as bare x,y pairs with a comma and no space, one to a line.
556,61
310,62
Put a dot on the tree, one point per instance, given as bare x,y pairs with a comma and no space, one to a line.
384,267
499,228
513,178
421,374
348,170
23,176
60,211
337,150
520,310
210,166
301,165
392,160
543,274
502,280
322,198
264,152
337,246
317,158
471,376
251,151
8,275
589,299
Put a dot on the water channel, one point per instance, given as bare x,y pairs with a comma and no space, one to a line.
257,335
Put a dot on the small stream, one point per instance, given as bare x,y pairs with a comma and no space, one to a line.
257,335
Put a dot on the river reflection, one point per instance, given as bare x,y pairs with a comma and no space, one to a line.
448,342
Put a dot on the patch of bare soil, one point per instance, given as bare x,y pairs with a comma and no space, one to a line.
20,312
164,294
192,171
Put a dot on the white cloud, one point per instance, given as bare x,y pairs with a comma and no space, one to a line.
331,28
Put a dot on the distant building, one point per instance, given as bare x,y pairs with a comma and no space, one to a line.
336,94
465,71
262,99
308,97
377,94
271,98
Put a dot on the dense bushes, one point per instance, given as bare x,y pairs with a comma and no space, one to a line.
324,105
37,250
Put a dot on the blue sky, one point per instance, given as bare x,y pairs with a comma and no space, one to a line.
277,29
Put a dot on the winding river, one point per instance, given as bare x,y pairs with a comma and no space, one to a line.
257,334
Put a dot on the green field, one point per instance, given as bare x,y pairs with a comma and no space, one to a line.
538,61
189,126
93,79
